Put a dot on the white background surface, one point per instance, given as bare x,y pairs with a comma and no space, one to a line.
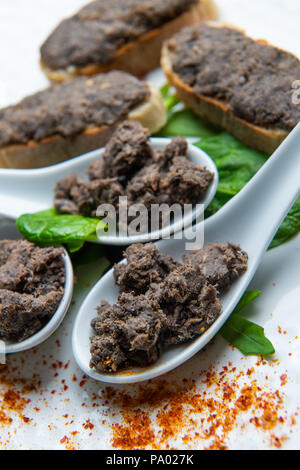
23,26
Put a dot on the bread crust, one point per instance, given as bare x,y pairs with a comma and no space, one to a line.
141,56
55,149
217,112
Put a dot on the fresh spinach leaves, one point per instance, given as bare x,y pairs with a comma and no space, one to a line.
237,164
49,228
290,226
245,335
184,123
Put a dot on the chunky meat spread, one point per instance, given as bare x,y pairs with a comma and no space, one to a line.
70,108
97,31
161,303
254,79
32,283
131,167
221,265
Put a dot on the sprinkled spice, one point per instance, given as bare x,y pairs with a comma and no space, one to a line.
188,409
159,413
13,399
68,444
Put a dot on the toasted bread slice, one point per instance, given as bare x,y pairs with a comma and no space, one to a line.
151,113
140,56
265,138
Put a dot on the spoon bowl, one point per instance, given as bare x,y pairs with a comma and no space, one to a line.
250,219
8,231
28,191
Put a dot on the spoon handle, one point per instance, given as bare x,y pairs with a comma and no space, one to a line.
21,193
255,214
24,191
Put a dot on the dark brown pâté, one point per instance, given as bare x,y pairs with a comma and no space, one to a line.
254,79
32,281
131,167
97,31
161,303
70,108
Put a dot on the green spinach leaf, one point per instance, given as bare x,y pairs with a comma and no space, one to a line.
169,97
290,226
184,123
247,299
49,228
245,335
237,164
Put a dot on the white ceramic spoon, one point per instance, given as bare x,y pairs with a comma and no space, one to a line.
27,191
8,231
250,219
